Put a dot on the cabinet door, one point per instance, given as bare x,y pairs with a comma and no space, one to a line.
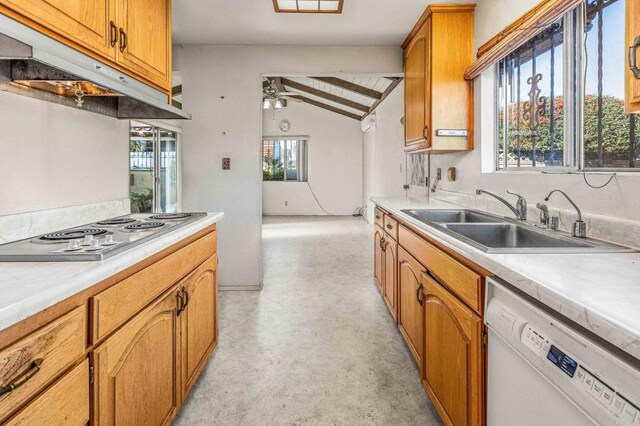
391,276
378,260
136,369
410,314
633,43
144,44
415,86
453,371
86,23
198,321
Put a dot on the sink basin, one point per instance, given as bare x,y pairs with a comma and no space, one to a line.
494,234
512,236
452,216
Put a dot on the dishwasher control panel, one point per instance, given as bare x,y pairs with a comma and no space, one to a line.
619,407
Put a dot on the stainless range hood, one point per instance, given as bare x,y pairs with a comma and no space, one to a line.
34,65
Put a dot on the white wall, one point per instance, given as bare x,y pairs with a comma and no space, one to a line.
383,152
621,198
232,126
334,152
54,156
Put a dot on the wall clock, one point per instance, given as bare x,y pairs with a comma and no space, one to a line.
285,126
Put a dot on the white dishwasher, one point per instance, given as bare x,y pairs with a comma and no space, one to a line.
544,370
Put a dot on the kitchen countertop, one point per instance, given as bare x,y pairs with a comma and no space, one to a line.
599,291
30,287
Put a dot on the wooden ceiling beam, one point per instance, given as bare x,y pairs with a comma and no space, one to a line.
325,95
351,87
329,108
387,92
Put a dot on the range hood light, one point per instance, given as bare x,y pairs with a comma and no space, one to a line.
278,104
266,104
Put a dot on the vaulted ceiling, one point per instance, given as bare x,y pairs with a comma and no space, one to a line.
363,22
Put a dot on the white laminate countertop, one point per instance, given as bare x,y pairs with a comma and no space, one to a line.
30,287
599,291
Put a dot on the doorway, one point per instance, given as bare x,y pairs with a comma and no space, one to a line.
153,169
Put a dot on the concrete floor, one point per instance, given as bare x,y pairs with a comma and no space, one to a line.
317,346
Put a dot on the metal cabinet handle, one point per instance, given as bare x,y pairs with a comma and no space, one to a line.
389,226
633,62
377,216
123,40
113,32
382,241
185,294
425,132
419,294
180,301
23,378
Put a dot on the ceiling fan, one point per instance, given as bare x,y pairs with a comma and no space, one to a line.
272,97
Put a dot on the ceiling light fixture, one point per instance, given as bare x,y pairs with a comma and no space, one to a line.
308,6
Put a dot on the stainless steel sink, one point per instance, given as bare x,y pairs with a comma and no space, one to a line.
452,216
494,234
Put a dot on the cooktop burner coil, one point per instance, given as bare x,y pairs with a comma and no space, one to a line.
72,234
171,216
141,226
116,221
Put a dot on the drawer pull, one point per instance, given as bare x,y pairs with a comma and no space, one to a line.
377,216
23,378
389,226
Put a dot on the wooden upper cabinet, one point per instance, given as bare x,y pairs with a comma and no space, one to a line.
137,368
144,42
410,316
453,371
86,23
415,126
438,99
198,321
633,44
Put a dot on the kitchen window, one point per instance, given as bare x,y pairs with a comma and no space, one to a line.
560,96
284,160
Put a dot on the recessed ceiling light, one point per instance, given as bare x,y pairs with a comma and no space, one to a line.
308,6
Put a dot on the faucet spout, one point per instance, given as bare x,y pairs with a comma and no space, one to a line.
520,210
579,227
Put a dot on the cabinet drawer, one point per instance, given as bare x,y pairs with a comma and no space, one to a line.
391,227
64,403
378,216
462,281
116,305
55,347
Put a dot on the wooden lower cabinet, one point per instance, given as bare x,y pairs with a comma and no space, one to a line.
453,369
378,260
66,402
199,334
410,309
137,368
390,283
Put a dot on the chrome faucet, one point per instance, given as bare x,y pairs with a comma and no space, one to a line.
579,228
520,210
544,214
